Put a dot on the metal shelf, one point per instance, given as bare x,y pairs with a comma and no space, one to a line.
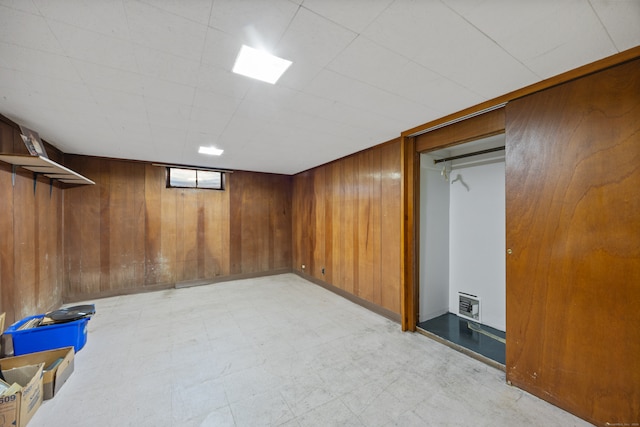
46,167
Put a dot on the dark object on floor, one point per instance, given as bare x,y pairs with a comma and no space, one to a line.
70,314
456,330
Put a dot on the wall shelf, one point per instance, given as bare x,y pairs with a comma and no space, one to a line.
43,166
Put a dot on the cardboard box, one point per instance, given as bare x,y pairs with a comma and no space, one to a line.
58,367
17,409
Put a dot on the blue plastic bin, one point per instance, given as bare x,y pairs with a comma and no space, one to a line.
48,337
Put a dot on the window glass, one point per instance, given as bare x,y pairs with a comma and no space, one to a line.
193,178
210,179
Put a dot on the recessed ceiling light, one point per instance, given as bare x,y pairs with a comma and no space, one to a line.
213,151
260,65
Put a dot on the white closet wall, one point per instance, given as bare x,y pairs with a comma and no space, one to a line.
434,250
462,244
477,240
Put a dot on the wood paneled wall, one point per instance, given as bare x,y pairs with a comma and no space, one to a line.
129,232
346,225
30,236
573,226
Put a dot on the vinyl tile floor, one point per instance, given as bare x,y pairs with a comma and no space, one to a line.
275,351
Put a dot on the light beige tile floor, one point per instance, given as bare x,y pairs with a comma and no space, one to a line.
275,351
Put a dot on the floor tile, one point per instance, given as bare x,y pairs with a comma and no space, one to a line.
274,351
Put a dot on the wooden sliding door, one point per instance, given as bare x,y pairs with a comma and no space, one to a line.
573,245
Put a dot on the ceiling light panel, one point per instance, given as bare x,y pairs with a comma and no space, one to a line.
212,151
260,65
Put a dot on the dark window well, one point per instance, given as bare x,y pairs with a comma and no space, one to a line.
195,178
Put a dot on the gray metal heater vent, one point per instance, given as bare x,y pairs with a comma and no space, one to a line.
469,306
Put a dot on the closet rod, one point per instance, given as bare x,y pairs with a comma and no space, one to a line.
462,156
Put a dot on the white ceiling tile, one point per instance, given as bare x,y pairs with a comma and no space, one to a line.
276,96
465,56
299,75
134,132
105,17
60,90
366,97
193,10
355,15
27,30
313,39
220,49
119,105
567,39
208,121
110,78
259,24
166,66
195,138
224,82
89,132
156,89
523,16
37,62
438,93
215,101
548,37
22,5
10,80
94,47
309,103
368,62
405,27
167,113
166,140
157,29
620,17
151,79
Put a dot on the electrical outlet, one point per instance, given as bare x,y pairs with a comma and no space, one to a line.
323,271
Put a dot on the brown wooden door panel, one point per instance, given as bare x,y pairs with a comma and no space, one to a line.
573,226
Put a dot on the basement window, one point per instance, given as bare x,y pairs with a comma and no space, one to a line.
195,178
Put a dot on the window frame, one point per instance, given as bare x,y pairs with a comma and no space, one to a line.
196,186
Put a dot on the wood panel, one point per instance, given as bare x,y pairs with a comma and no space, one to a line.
84,232
260,222
216,233
317,224
31,244
573,173
129,232
391,262
7,258
346,221
6,137
480,126
348,225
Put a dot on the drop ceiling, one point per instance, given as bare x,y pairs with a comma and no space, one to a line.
152,80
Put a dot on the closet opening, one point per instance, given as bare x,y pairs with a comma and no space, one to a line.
461,294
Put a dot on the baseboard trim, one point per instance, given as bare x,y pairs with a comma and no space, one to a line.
164,286
117,292
229,278
353,298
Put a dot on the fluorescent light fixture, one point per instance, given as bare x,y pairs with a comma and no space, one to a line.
260,65
213,151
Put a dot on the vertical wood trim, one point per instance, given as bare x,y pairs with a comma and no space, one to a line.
7,253
390,226
407,288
